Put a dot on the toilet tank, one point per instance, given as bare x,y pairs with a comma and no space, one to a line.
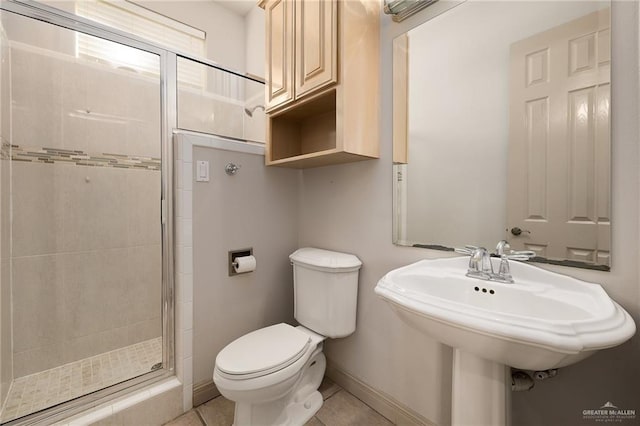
325,290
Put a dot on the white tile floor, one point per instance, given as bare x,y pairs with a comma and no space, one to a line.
37,391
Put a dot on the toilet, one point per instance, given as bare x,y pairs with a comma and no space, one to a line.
273,374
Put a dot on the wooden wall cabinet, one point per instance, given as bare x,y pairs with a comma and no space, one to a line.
322,88
316,58
280,33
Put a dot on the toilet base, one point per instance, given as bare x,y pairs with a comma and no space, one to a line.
295,408
303,411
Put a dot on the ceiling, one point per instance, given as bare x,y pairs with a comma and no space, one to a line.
240,7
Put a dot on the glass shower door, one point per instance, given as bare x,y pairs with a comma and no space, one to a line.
80,215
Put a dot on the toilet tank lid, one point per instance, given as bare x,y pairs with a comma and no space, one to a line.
326,259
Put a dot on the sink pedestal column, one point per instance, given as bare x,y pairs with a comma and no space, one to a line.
481,391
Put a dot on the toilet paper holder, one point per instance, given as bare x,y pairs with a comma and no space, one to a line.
232,258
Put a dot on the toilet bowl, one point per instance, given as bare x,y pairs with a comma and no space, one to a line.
279,387
273,374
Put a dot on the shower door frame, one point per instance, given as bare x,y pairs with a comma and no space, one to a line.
168,106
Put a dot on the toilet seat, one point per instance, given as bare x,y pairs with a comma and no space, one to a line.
262,352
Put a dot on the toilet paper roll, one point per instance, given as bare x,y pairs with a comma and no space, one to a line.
244,264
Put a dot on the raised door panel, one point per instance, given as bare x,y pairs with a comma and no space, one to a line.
559,143
279,85
316,45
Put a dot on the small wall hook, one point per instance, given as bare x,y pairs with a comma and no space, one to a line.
231,169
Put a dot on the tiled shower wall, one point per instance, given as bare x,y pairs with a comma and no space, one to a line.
207,113
254,127
6,365
86,253
220,108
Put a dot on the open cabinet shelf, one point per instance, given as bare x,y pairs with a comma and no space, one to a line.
303,132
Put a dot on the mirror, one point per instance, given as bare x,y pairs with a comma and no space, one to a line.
501,130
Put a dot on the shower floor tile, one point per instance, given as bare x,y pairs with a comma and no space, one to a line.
41,390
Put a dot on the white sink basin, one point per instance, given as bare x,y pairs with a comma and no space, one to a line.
544,320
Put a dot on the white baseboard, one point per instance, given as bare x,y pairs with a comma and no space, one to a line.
203,392
390,408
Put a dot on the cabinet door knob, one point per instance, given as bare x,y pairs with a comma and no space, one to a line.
517,231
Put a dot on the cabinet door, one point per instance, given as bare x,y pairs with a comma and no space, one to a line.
316,45
279,52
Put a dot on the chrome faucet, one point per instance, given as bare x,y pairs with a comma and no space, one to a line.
504,271
480,262
502,247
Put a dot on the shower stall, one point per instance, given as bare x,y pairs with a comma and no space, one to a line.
86,214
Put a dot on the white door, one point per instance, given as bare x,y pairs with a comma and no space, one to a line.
559,141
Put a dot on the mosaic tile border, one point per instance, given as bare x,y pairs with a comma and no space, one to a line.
78,158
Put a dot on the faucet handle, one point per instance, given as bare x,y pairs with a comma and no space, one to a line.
468,250
480,261
521,255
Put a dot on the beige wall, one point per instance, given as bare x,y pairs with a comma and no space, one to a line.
349,208
225,29
255,208
254,39
86,253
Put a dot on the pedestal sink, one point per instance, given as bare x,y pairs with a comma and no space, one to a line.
542,321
